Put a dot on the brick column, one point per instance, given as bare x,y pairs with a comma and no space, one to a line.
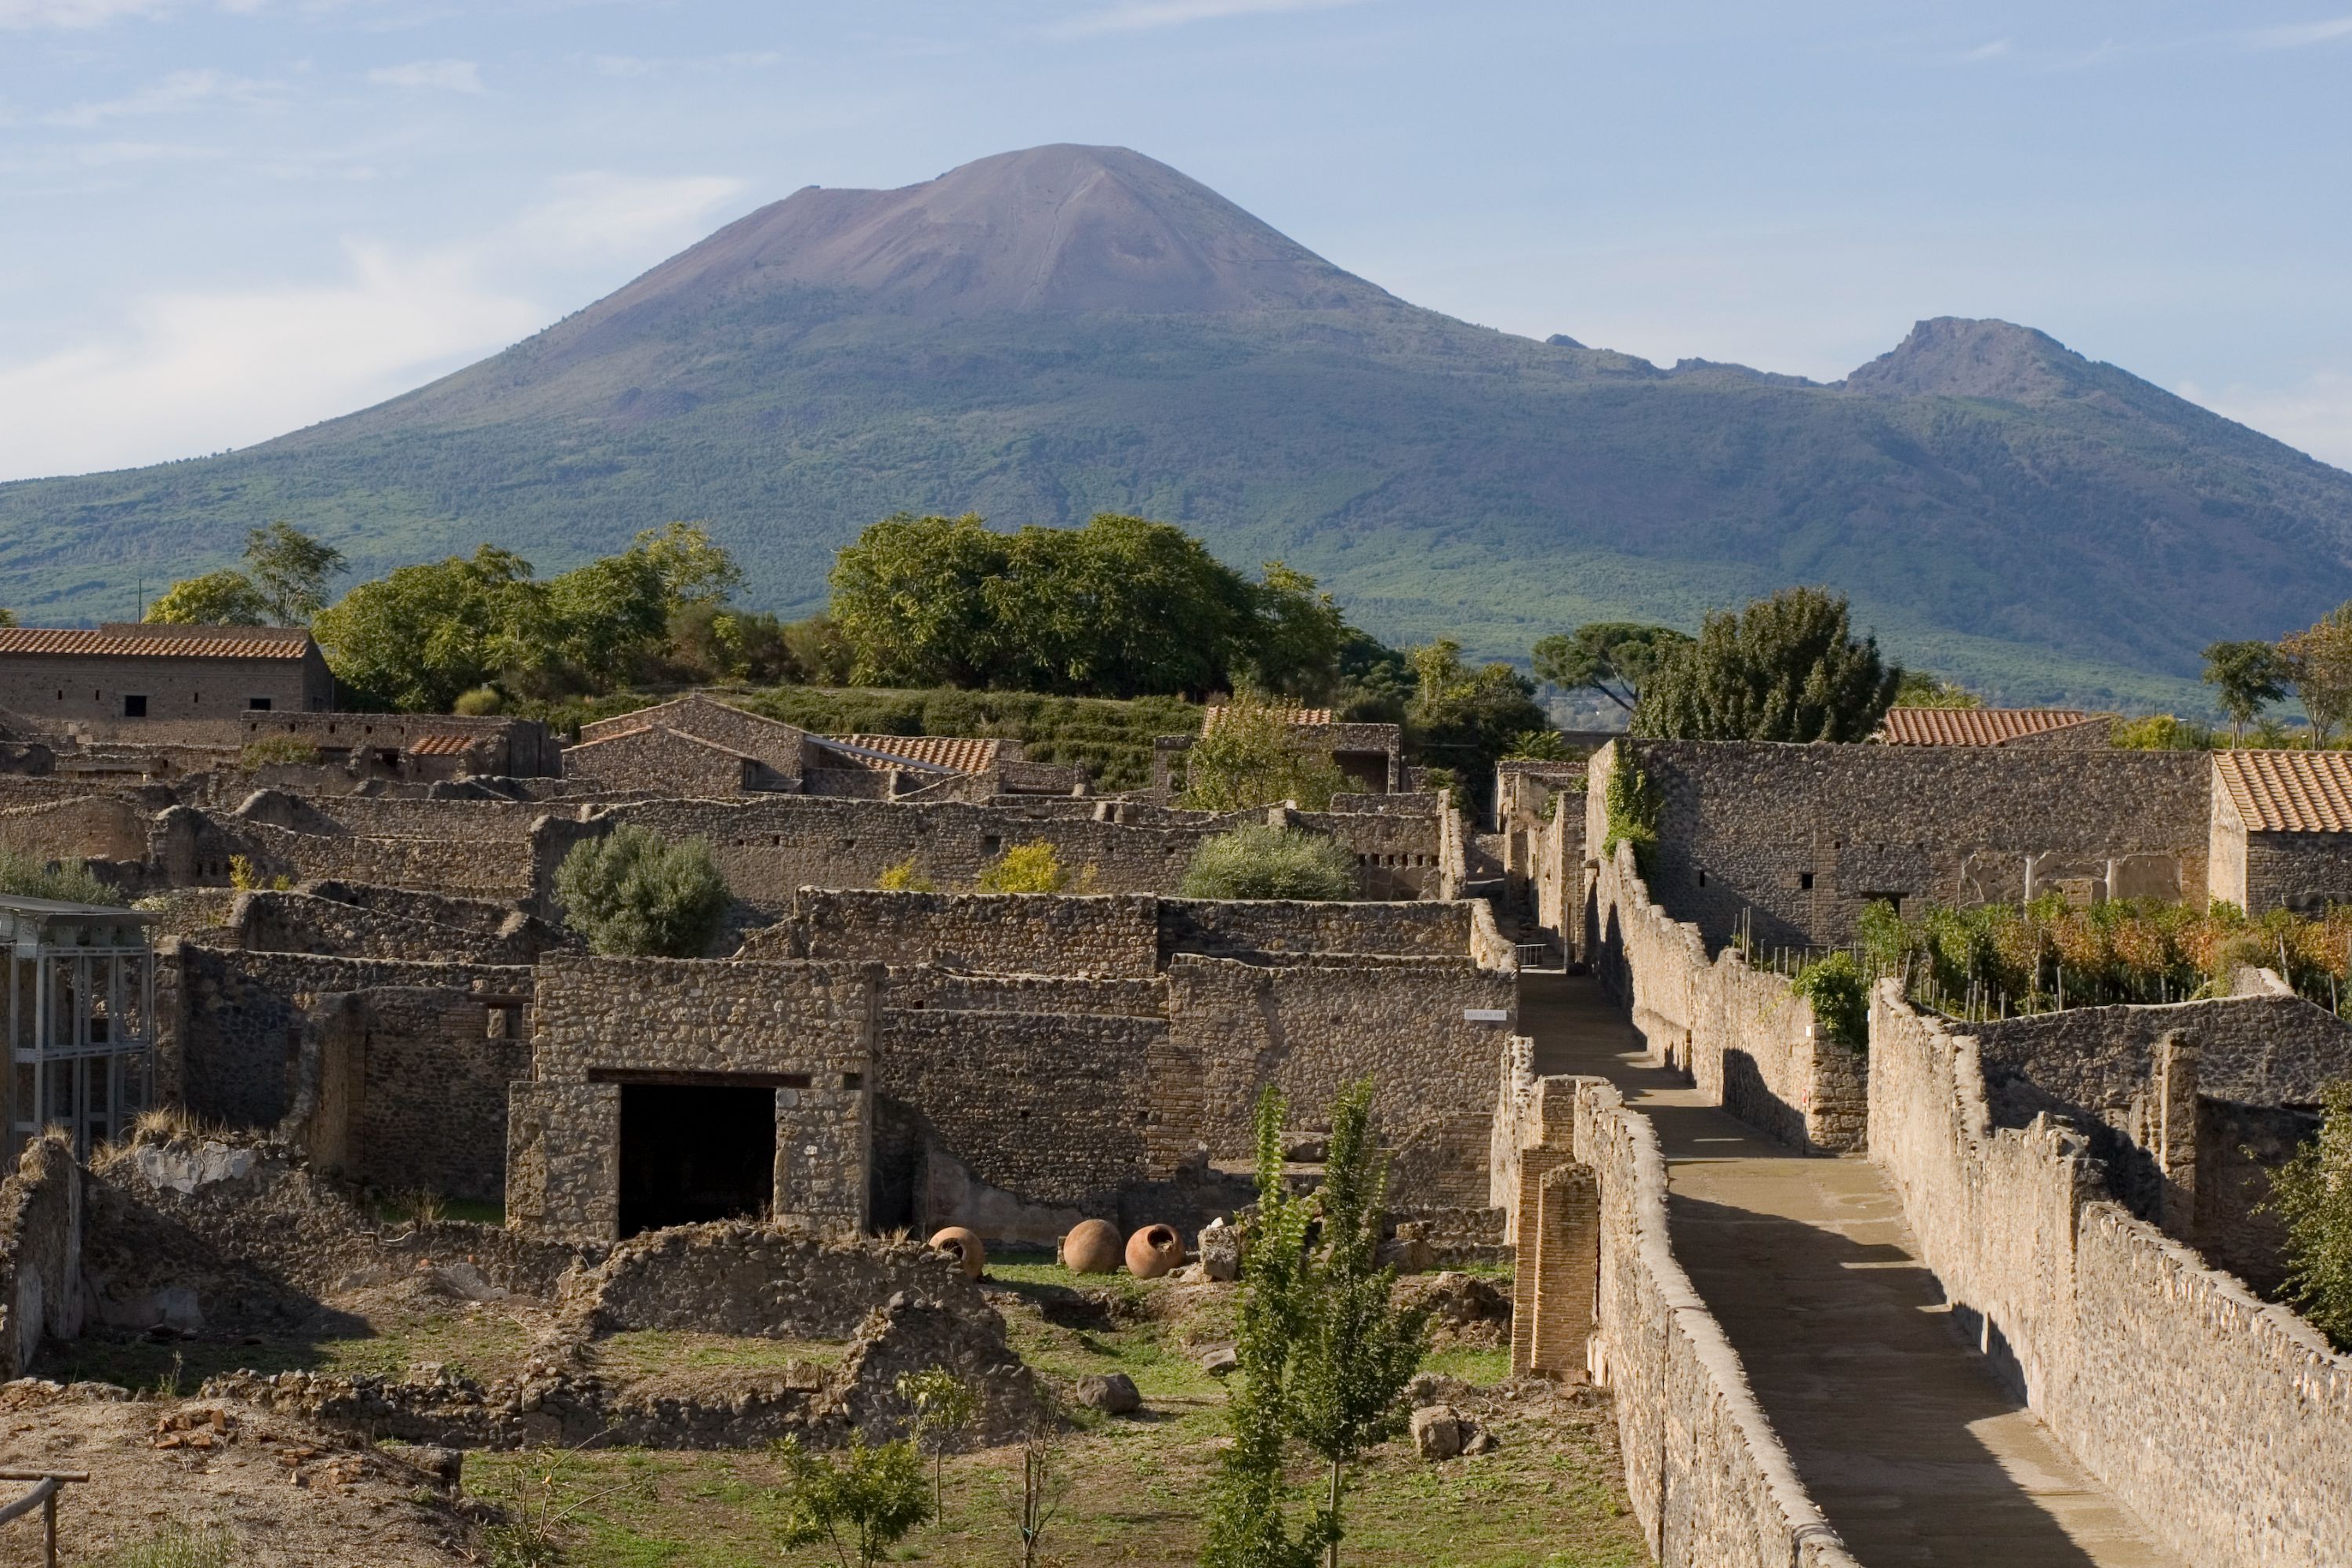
1568,1268
1526,1223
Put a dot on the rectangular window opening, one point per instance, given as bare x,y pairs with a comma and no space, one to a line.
256,704
1804,879
134,707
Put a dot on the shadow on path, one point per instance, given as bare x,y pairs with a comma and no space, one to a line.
1907,1443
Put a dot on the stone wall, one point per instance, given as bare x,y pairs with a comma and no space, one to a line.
1058,1111
1314,1027
84,827
665,760
601,1022
1799,839
2220,1421
1020,933
784,748
41,1252
190,848
1274,927
1748,1041
760,1281
1707,1475
296,921
921,985
406,1088
230,1023
2302,871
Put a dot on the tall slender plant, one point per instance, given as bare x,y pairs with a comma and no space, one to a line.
1247,1526
1357,1349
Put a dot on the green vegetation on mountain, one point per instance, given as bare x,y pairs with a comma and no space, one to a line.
1998,508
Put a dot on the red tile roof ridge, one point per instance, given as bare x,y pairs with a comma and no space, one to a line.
2288,791
1975,726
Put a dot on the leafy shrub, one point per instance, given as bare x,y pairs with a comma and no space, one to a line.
2313,1194
272,751
1264,862
1633,806
479,702
1247,759
1032,868
246,879
71,881
1539,746
1839,995
861,1502
633,893
904,878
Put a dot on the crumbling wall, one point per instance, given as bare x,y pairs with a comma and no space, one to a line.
760,1281
192,848
1749,1042
406,1088
40,1251
232,1021
79,827
296,922
2220,1420
1797,840
928,985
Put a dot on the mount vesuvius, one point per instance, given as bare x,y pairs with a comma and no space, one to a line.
1046,334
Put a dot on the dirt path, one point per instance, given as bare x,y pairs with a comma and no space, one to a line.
1907,1444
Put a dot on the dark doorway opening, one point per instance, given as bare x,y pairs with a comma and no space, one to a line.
695,1152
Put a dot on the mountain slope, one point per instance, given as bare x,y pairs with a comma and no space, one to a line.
1045,334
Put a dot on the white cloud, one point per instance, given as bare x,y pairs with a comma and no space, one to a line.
195,371
620,213
27,14
180,90
445,75
2314,416
2300,35
1135,16
1991,51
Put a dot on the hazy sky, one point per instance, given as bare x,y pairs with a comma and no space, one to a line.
221,219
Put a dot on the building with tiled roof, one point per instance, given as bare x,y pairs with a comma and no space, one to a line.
126,673
2282,833
950,753
1371,755
1993,727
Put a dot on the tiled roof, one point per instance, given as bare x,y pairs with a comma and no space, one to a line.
686,735
957,754
1294,715
2289,791
132,641
1974,726
441,745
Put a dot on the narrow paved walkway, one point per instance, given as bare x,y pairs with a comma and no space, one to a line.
1907,1444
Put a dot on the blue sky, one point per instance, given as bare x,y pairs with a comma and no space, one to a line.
222,219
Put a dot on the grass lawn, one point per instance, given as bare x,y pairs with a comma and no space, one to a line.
1137,1488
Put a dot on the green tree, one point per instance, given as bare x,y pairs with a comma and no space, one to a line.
1784,668
1295,650
1121,607
633,893
222,598
1921,690
1261,861
1250,756
1839,995
2250,677
1464,720
1615,659
944,1405
71,880
289,571
910,599
1357,1349
417,637
1376,682
1247,1524
1539,746
2312,1193
2318,663
693,568
861,1504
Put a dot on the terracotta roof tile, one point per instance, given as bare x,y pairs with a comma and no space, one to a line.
2288,792
1975,726
442,745
959,753
179,642
1294,715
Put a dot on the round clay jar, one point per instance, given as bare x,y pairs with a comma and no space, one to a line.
963,1247
1091,1247
1153,1251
